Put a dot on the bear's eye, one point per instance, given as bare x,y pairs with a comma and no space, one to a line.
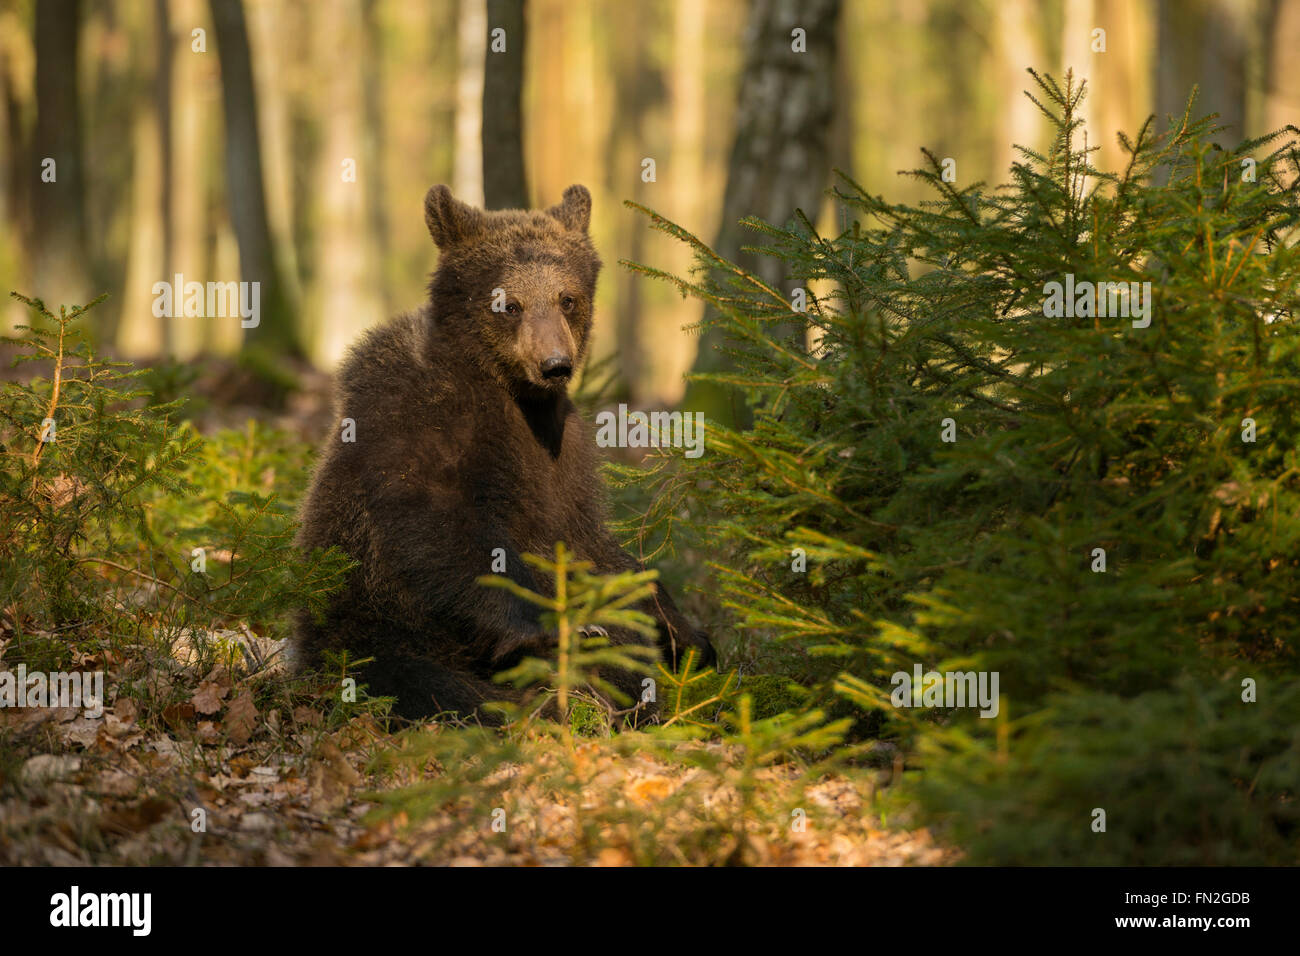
567,303
513,308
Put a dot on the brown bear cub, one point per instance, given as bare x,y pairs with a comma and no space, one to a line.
455,437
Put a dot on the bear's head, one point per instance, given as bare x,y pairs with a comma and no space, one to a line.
516,287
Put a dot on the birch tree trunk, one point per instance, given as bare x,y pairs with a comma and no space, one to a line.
780,156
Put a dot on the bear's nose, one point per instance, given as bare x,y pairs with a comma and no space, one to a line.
557,366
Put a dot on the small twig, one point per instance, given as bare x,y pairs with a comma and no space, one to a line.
54,395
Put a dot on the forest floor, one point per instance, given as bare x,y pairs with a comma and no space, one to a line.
217,779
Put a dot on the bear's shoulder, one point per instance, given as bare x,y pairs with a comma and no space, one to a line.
409,402
390,366
395,348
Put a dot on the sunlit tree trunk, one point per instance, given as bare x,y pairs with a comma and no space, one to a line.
14,161
372,149
274,25
346,297
550,152
467,175
1282,92
194,171
1087,66
1107,43
1019,45
166,182
634,75
685,197
1127,102
150,250
140,334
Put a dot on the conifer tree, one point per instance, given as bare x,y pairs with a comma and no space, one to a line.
1047,430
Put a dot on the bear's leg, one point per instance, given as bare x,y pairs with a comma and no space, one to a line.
426,686
425,678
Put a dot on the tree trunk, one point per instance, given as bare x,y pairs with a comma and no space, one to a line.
1018,46
346,298
139,333
504,183
780,156
194,175
1204,43
637,85
163,103
1282,94
14,162
58,207
276,331
373,148
1088,67
467,164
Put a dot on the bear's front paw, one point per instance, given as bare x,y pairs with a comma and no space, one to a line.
684,641
705,655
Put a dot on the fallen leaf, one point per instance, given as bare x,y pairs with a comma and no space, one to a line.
219,676
81,731
126,710
241,719
207,699
307,717
178,714
139,817
331,776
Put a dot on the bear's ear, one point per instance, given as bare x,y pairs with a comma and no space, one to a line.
449,220
574,211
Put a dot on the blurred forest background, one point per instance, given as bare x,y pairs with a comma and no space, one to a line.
292,142
841,541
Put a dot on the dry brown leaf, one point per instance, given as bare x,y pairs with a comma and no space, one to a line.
81,731
241,718
306,717
207,699
139,817
178,714
126,709
332,776
242,765
220,676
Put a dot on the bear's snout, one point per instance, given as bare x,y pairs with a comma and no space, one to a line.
557,367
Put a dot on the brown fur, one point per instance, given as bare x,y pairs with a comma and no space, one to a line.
465,444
